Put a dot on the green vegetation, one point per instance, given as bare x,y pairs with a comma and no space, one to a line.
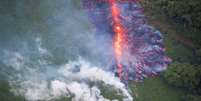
63,99
181,21
193,98
183,75
6,95
179,83
110,93
178,52
187,12
155,89
184,14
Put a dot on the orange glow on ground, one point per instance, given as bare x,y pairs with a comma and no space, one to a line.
119,35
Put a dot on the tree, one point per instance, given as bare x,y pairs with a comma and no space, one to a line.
183,75
192,98
177,10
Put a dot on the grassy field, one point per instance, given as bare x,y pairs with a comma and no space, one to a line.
154,89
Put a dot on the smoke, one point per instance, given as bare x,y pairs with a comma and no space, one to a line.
56,54
45,81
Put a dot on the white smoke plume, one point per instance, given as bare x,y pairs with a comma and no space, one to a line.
41,80
39,73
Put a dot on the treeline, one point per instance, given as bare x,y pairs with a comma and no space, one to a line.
186,12
187,77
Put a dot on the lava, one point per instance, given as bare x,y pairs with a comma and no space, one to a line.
119,35
139,51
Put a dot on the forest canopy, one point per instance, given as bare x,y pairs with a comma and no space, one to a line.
187,12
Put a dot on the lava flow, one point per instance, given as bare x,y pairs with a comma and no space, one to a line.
139,51
119,35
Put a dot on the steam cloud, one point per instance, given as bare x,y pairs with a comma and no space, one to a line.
45,82
49,59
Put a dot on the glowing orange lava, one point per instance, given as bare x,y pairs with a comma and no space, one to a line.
119,35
